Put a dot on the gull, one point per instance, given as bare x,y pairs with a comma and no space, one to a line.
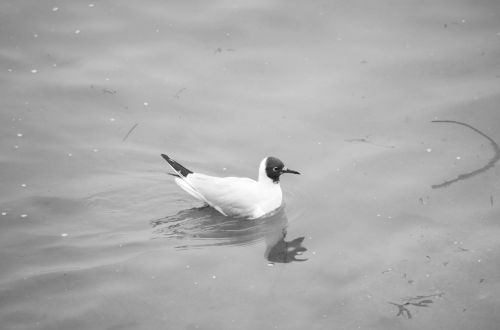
234,196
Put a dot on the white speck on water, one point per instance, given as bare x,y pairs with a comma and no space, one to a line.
224,168
35,35
77,31
478,260
64,234
458,157
95,150
55,8
314,252
187,266
19,134
24,185
112,119
24,215
378,215
146,104
70,154
428,149
270,264
195,283
91,5
34,71
9,70
107,79
4,213
214,277
16,147
54,65
389,217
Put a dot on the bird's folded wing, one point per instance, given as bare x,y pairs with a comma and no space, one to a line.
233,195
183,183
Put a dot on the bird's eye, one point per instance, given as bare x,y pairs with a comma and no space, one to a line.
275,169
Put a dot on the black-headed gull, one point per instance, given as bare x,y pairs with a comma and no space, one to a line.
232,196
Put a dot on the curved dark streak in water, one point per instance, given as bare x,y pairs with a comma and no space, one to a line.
489,165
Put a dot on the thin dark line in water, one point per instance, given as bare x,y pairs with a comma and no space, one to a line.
467,175
130,131
363,140
178,94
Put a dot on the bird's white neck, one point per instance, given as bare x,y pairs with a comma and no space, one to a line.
263,178
269,191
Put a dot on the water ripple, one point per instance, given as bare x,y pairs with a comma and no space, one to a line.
204,227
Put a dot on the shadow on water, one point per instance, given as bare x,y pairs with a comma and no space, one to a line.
205,227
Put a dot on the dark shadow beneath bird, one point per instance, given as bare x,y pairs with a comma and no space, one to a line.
205,227
286,251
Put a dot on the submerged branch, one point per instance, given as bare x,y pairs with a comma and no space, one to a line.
486,167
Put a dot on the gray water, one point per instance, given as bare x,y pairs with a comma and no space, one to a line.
393,224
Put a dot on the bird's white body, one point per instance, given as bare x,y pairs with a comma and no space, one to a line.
233,196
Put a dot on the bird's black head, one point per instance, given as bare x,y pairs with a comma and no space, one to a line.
275,167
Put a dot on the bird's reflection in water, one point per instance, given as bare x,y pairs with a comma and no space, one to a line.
203,227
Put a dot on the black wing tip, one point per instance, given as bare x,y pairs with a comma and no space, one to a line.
176,166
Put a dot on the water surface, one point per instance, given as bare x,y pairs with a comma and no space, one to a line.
95,235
